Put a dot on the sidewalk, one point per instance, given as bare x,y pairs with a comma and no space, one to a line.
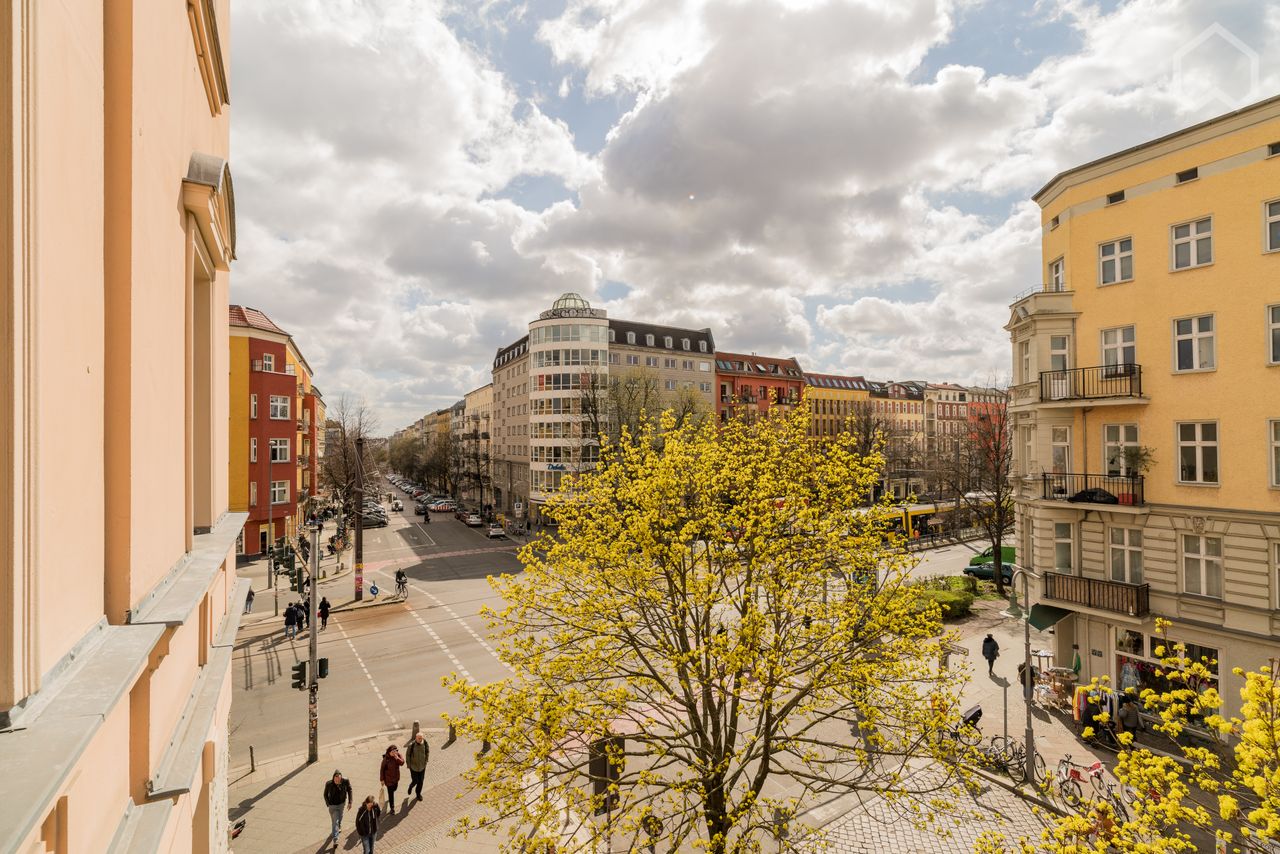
282,803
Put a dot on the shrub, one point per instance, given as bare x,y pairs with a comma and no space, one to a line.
954,603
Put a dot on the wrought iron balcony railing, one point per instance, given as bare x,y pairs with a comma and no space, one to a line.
1093,488
1117,597
1096,383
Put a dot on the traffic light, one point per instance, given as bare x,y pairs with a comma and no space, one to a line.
322,665
300,675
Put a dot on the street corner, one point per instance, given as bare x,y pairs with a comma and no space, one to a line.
362,604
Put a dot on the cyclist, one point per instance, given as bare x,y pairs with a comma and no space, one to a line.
402,583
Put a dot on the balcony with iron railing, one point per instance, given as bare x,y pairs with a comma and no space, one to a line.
1116,597
1100,384
1107,489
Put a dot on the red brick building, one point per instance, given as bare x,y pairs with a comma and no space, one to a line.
749,384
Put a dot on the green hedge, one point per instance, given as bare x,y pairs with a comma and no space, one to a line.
954,603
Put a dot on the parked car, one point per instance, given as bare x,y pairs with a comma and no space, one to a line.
986,572
472,520
494,531
372,520
1007,556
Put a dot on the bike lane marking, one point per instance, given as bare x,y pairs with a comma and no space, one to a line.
372,684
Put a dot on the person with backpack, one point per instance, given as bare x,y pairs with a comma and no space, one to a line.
290,622
366,823
336,791
416,756
990,651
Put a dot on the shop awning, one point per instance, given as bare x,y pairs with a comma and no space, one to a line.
1044,616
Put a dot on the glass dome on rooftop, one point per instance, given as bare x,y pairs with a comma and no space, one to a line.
570,300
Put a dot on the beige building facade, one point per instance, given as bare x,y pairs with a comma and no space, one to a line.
1147,428
119,603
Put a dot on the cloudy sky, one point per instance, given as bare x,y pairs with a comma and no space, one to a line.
846,181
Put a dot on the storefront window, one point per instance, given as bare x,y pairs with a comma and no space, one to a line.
1136,672
1130,641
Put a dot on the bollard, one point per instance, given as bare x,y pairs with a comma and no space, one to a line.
253,766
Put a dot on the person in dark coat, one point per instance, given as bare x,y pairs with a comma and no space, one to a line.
367,823
304,613
389,774
990,651
323,612
337,790
416,756
290,622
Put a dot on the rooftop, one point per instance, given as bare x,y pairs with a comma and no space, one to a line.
252,318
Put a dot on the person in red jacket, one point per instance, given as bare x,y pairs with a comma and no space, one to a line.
389,775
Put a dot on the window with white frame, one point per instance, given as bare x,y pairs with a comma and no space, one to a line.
280,407
1275,569
1274,431
702,346
1202,565
648,340
1115,438
651,361
1272,214
279,450
1192,243
1193,344
1119,350
268,362
253,493
1115,261
1198,452
1057,275
671,385
253,406
631,338
1028,449
1024,359
1059,352
1125,555
253,450
684,343
668,341
1061,450
1273,334
279,492
1064,543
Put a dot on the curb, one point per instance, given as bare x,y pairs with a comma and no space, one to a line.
1017,790
241,771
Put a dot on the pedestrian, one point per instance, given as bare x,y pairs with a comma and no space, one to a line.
389,775
990,651
416,756
323,610
248,602
306,613
366,823
290,622
337,790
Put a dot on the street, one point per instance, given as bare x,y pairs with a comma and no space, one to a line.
386,661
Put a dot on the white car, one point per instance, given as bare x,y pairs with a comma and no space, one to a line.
494,532
473,520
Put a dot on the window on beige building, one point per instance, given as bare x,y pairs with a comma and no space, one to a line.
1064,548
1115,438
1119,350
1061,450
1115,261
1058,275
1198,452
1192,244
1272,215
1126,555
1274,429
1202,565
1193,342
1273,334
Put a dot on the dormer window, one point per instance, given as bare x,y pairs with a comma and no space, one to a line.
648,340
611,336
702,345
1116,197
668,342
631,338
1188,175
684,343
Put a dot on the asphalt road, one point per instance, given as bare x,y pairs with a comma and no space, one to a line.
385,663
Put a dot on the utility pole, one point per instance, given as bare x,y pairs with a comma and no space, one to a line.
359,517
313,689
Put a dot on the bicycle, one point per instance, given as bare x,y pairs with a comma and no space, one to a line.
1014,756
1069,778
402,589
966,733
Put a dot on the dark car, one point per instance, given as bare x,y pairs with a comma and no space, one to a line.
373,521
986,572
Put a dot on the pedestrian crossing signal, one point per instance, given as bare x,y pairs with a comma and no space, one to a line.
300,675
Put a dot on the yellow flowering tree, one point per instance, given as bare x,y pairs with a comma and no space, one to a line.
1184,788
715,637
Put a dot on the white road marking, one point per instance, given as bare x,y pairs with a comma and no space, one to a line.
372,684
454,616
423,528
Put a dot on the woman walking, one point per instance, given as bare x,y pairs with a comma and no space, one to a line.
389,774
367,823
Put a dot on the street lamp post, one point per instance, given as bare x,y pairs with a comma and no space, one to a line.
1027,682
359,517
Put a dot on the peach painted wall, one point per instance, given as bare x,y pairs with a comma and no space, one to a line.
67,441
171,121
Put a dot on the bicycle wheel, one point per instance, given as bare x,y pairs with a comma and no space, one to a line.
1117,805
1015,762
1071,793
1100,787
968,736
1041,771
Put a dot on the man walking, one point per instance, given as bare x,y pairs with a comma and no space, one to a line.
290,622
304,613
990,651
322,611
337,790
248,602
415,757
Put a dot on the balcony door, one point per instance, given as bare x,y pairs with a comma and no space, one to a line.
1060,450
1059,363
1115,438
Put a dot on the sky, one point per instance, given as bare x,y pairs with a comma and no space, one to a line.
844,181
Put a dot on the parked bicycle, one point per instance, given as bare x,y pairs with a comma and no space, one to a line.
1014,760
1069,777
966,733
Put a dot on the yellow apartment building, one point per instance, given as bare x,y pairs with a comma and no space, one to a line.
1146,402
832,399
119,602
